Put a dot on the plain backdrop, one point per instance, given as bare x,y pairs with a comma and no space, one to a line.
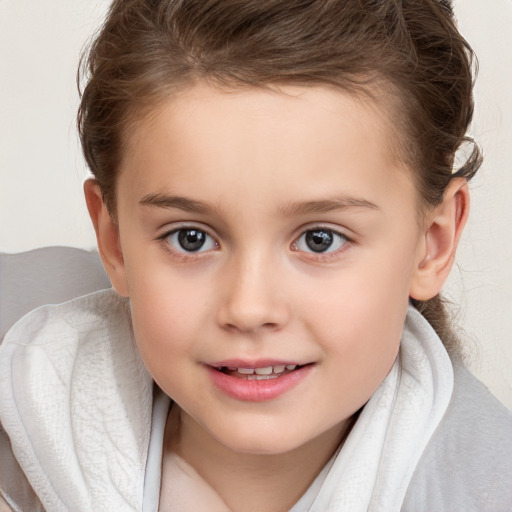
41,169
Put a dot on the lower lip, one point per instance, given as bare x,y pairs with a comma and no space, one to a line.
257,390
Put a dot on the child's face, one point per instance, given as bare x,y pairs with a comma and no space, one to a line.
260,229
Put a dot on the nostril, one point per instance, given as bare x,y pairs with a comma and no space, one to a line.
245,327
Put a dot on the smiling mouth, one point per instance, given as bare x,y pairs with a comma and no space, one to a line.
257,381
263,373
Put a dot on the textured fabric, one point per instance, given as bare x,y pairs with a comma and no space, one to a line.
77,406
15,491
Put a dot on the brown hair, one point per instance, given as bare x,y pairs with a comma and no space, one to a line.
148,49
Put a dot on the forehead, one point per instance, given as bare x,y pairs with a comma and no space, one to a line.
315,103
211,138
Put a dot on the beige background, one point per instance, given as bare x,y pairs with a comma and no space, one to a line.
41,169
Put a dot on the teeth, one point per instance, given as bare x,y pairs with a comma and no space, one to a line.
264,371
247,371
261,377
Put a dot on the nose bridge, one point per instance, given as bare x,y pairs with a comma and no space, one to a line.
252,295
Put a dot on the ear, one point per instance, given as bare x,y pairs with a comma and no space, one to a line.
107,236
443,230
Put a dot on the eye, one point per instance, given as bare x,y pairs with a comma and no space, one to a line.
190,240
320,240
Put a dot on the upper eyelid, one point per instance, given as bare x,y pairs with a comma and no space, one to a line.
322,256
183,253
167,230
322,228
166,233
325,226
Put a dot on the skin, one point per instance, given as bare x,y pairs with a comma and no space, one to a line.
255,170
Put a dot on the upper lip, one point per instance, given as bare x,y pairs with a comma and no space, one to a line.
258,363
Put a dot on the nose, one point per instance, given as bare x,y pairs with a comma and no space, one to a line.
253,297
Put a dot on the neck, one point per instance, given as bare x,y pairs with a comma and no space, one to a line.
251,482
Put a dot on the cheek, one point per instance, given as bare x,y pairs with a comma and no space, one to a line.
359,319
166,333
164,320
362,331
361,346
362,296
165,311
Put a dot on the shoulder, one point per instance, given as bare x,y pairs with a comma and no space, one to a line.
467,464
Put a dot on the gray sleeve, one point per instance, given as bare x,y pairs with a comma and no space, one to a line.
467,466
49,275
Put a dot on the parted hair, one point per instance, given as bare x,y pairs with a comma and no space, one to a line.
410,52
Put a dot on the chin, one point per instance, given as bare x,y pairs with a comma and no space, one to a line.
260,443
262,447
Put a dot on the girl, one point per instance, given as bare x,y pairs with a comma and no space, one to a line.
276,205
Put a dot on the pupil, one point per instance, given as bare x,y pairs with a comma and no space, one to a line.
319,240
191,239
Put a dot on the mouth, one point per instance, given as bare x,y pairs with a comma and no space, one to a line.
259,373
257,381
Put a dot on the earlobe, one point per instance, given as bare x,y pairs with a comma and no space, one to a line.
107,236
442,233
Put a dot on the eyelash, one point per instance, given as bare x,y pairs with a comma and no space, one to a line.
346,242
311,254
182,253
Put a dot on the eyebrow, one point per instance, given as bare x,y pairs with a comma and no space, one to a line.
289,210
181,203
327,205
